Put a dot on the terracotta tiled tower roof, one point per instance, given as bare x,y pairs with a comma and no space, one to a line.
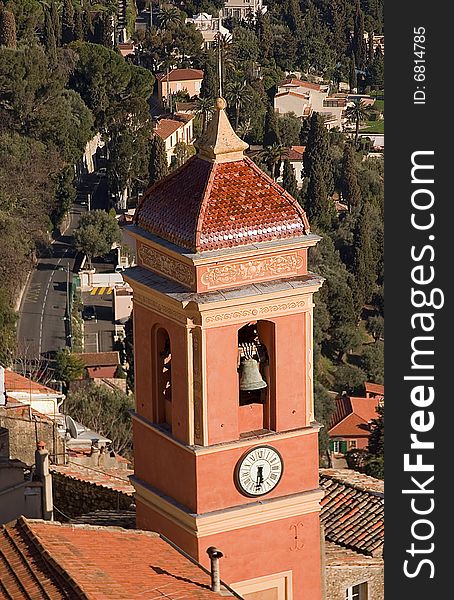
219,198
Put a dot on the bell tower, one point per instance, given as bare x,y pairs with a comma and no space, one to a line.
225,440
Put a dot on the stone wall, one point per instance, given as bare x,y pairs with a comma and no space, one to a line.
24,432
74,497
341,577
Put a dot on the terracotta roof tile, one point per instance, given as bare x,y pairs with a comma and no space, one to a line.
208,206
18,383
181,75
114,479
80,561
352,510
99,359
300,83
352,415
166,127
374,388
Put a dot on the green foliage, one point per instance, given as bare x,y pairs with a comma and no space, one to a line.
372,362
8,36
271,136
351,192
7,329
289,126
376,327
364,258
65,194
210,82
68,367
104,411
96,234
316,158
289,182
376,445
350,379
158,166
182,153
324,405
67,22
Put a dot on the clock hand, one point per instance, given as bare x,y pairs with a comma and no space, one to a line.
259,480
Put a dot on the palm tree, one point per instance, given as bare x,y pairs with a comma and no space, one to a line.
357,113
238,95
204,109
168,16
272,156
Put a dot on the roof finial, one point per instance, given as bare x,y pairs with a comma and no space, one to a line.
220,143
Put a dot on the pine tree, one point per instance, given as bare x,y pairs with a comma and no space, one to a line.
271,136
317,153
319,207
67,34
364,262
7,29
351,192
289,182
264,34
359,43
158,167
210,82
56,24
49,38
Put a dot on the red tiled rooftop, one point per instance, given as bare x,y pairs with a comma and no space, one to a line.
114,479
209,206
352,415
166,127
181,75
374,388
96,563
99,359
300,83
295,152
18,383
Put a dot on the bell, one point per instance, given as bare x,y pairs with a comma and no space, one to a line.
250,378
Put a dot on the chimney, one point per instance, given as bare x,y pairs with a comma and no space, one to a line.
215,555
42,471
2,387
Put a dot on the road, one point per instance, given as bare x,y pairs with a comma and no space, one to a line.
41,326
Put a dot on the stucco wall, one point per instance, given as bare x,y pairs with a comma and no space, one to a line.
341,577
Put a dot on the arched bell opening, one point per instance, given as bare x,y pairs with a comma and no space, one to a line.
163,378
254,376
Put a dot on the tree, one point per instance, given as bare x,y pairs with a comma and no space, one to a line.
359,43
78,33
325,406
289,126
372,362
56,23
7,329
375,464
181,154
49,39
375,74
352,79
105,411
238,95
168,16
96,233
319,207
349,379
68,367
289,182
210,83
158,166
376,327
351,192
364,262
316,156
271,136
67,34
264,33
7,28
204,109
272,157
356,113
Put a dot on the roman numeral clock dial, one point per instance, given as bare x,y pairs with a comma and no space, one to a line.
258,471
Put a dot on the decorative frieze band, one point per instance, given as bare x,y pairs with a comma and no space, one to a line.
166,265
253,270
257,311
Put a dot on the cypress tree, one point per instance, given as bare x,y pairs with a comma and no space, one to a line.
289,182
359,43
78,26
271,136
264,34
319,207
67,32
317,153
293,16
352,80
210,82
364,262
7,29
351,192
107,31
370,46
157,167
56,24
49,38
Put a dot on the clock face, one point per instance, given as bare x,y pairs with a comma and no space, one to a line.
259,471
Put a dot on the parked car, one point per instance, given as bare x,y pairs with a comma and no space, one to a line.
89,312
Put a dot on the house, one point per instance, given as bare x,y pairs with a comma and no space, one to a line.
349,427
100,364
54,560
242,9
303,98
179,80
126,48
122,304
352,518
295,156
210,27
179,128
39,397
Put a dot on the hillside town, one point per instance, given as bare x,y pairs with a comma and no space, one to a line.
192,299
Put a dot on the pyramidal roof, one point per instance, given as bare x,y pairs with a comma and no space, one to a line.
220,198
